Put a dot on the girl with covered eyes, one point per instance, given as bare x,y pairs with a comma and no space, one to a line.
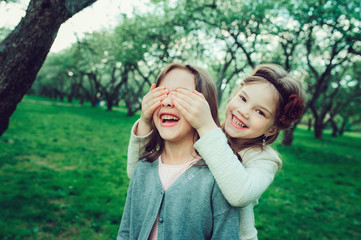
238,153
172,194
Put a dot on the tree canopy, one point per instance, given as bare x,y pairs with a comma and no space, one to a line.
319,42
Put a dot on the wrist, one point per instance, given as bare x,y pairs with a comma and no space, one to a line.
143,128
206,129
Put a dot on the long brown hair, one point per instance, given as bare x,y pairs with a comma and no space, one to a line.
291,97
204,84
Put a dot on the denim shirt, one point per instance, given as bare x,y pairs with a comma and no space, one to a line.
193,207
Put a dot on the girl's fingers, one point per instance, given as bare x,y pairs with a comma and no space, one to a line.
152,87
183,111
153,107
195,102
155,93
155,97
188,110
190,113
198,94
152,97
192,95
152,102
158,90
147,112
185,104
183,97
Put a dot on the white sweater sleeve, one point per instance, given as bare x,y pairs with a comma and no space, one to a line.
136,149
240,183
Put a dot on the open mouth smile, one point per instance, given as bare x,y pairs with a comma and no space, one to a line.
237,123
168,119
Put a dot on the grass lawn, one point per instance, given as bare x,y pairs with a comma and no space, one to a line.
63,176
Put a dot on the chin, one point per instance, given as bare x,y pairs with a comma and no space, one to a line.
166,135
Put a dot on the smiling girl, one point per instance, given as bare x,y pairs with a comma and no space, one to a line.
238,154
172,194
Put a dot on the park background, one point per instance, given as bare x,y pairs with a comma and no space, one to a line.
63,157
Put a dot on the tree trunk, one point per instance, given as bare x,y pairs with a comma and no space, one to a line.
131,112
334,128
70,98
61,96
133,106
342,128
288,136
309,124
24,50
318,130
109,100
219,92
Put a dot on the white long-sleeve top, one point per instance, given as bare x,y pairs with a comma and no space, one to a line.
241,183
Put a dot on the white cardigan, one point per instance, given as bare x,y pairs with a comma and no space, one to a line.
241,184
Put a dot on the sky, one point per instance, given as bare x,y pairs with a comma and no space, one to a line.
102,14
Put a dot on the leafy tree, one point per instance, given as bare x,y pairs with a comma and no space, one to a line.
318,39
237,30
84,71
162,40
346,107
332,42
105,70
24,50
59,77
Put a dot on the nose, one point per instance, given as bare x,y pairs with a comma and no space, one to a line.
168,102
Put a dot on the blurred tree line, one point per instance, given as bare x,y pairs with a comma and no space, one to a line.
318,41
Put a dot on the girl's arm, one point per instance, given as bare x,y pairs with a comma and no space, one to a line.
136,148
240,183
247,231
194,107
142,128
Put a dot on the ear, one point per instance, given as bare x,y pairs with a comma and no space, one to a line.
272,131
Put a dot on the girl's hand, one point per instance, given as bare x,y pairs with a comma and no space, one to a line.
194,107
151,101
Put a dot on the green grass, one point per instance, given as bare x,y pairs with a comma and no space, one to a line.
317,193
63,176
63,172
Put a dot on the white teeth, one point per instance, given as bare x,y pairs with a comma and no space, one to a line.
169,117
235,120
